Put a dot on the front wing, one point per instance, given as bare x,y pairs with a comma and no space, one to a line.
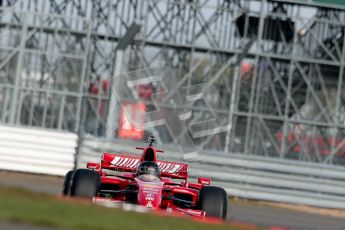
113,203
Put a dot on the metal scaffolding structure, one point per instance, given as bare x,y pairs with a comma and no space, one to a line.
57,59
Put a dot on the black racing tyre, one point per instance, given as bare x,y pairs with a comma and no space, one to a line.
67,183
85,183
214,201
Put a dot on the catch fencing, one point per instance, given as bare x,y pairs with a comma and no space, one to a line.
246,176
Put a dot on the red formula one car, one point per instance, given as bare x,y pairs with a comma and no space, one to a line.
148,182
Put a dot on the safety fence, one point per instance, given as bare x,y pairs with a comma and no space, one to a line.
32,150
246,176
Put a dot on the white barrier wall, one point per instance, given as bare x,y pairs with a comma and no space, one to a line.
37,151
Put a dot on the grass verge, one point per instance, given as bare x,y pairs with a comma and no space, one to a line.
39,209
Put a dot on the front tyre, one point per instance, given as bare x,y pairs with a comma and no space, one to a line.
67,183
214,201
85,183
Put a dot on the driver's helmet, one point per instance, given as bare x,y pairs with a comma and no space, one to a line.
148,168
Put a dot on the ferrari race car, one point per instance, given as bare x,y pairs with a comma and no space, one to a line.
148,182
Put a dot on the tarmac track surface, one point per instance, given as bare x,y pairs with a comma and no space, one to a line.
248,213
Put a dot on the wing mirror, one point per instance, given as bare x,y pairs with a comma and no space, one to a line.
204,181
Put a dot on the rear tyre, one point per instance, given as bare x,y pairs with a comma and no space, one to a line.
85,183
67,183
214,201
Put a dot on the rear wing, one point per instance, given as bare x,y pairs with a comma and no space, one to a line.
123,163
